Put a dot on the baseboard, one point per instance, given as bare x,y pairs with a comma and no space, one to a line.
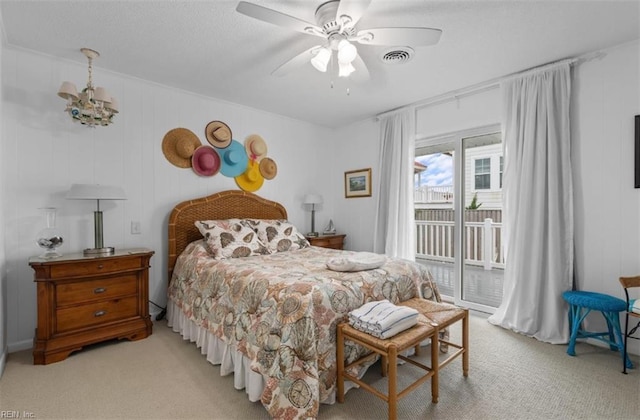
3,361
20,345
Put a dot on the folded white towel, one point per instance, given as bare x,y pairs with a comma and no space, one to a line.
382,318
367,308
398,328
357,262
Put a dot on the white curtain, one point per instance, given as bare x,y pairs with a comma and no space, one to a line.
538,204
394,233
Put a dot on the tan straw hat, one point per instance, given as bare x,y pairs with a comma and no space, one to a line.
268,168
178,146
251,179
218,134
256,147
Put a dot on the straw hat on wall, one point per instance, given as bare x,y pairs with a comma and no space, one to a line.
178,146
218,134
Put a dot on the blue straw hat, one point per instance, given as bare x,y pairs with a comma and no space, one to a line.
234,159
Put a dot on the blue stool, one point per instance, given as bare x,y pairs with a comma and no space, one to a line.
580,304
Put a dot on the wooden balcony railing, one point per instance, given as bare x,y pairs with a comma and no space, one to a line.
483,242
431,194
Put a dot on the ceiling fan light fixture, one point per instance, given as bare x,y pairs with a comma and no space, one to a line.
345,69
321,59
347,52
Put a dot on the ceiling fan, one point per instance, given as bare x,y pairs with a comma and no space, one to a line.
336,23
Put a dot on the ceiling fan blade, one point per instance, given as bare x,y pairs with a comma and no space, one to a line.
362,72
297,61
352,8
412,37
280,19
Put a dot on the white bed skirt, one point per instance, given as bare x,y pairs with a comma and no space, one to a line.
218,353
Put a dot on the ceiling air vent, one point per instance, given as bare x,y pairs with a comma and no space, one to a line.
397,55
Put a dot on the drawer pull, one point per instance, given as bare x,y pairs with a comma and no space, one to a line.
100,267
99,290
99,313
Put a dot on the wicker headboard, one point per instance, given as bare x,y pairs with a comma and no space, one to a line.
222,205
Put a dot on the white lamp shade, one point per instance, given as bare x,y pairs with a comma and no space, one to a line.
345,69
101,94
95,192
113,105
321,59
313,199
68,91
347,52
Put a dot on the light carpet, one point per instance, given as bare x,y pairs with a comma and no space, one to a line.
164,377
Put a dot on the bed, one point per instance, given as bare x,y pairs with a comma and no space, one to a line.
271,319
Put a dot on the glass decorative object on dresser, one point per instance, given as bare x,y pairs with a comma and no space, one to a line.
49,238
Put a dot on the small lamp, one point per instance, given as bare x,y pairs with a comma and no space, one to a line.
313,199
96,192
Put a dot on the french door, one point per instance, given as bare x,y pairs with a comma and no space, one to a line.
458,208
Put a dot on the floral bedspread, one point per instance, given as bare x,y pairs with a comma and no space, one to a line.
281,311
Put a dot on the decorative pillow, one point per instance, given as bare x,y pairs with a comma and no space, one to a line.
357,262
230,239
278,235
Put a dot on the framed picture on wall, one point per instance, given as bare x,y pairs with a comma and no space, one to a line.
637,152
357,183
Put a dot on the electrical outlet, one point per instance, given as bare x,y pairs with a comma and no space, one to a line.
135,228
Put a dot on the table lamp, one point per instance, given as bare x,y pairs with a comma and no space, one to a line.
313,199
96,192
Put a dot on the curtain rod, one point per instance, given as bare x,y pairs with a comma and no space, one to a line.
488,84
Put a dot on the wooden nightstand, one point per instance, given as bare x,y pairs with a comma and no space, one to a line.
327,241
85,300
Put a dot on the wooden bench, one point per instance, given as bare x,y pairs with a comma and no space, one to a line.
443,315
433,318
390,350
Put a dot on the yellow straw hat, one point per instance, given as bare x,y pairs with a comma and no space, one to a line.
251,180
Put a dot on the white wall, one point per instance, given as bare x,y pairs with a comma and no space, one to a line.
43,153
3,271
358,148
607,206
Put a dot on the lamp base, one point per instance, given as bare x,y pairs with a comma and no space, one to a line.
96,252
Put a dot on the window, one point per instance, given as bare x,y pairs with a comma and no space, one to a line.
501,166
483,174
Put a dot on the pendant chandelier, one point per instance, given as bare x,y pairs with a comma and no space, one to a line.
94,105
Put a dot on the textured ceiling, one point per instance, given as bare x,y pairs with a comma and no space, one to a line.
209,48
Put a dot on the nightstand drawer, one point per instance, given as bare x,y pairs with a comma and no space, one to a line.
327,241
99,289
93,267
75,317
